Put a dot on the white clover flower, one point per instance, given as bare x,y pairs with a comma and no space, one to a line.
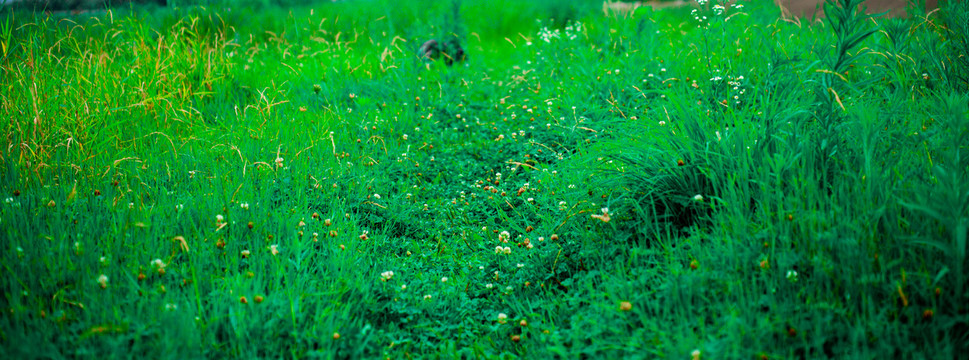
506,250
387,275
698,198
103,280
274,249
792,275
158,264
489,285
244,206
502,318
444,279
219,218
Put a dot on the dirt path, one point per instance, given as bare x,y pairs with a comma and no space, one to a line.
796,8
808,8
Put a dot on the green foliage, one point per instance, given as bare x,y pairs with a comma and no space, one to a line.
293,183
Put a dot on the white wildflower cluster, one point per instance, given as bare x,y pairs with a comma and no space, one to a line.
572,31
547,35
700,18
734,88
718,10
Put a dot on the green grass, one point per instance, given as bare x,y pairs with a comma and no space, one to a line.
211,182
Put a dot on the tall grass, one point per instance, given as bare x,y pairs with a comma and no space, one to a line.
211,182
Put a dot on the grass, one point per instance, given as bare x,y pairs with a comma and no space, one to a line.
193,182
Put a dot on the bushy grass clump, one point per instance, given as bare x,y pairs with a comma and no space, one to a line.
709,181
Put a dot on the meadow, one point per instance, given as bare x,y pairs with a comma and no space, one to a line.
702,182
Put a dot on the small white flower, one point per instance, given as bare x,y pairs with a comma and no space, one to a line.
506,250
444,279
489,285
158,264
504,236
387,275
171,307
427,297
698,198
520,265
274,248
244,206
502,318
792,275
179,207
103,280
403,286
219,218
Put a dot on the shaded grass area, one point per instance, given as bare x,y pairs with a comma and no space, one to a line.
210,182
